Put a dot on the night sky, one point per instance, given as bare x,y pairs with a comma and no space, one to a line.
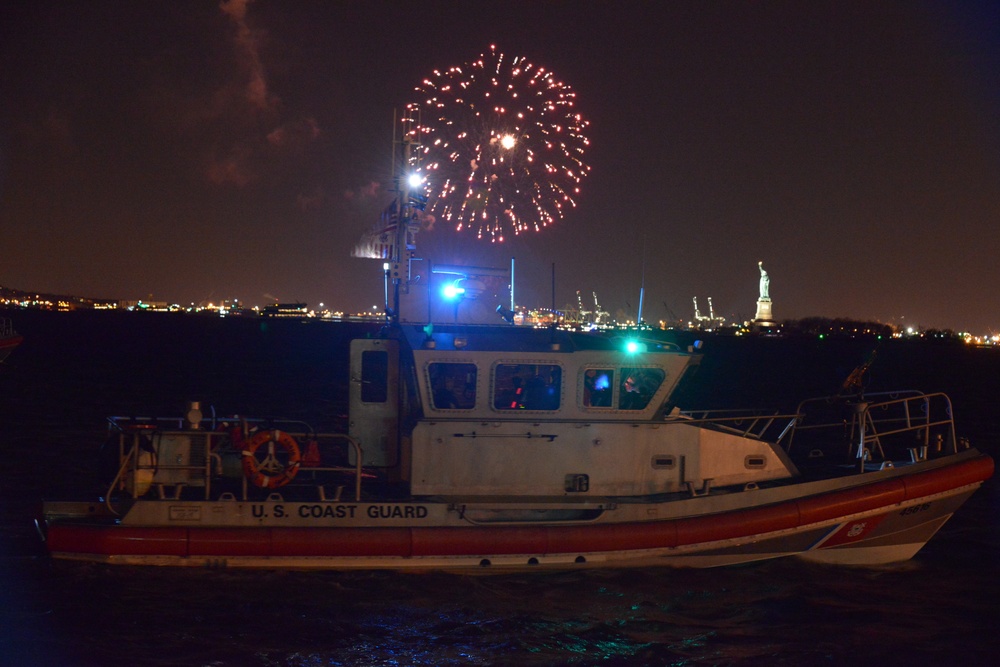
192,151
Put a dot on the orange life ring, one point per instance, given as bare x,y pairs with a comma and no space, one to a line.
269,473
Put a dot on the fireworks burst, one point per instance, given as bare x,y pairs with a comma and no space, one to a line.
500,144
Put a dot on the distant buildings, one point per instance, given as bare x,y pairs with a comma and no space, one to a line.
12,298
570,318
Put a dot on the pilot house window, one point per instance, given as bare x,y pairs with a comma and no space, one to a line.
638,386
527,387
453,386
598,385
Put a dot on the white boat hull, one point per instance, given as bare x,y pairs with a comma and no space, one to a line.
885,518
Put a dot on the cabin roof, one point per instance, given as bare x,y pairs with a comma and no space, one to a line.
523,339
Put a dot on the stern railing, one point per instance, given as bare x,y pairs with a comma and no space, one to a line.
882,426
212,452
886,426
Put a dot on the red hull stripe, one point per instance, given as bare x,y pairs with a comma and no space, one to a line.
499,540
10,342
851,501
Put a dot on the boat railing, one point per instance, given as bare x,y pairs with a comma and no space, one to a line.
311,468
127,464
169,455
882,426
772,426
6,327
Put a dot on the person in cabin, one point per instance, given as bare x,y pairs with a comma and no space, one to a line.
444,398
631,394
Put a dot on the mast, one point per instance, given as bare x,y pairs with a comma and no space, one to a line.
410,200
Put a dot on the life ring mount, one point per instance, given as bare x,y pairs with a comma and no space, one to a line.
269,472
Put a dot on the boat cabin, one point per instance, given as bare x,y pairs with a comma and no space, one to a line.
493,411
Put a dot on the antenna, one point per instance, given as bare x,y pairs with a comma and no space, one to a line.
642,283
392,153
512,284
553,290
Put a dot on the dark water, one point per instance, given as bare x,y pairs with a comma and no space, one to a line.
74,369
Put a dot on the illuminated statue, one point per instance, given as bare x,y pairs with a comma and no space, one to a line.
765,281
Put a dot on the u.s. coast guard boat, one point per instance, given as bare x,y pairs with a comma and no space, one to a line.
485,447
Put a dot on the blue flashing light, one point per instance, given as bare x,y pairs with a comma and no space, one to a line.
451,291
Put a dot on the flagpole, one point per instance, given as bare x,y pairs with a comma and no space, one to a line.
642,283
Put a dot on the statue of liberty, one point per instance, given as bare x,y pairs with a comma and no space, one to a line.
765,281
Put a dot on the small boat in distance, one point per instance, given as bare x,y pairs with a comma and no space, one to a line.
501,448
9,339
